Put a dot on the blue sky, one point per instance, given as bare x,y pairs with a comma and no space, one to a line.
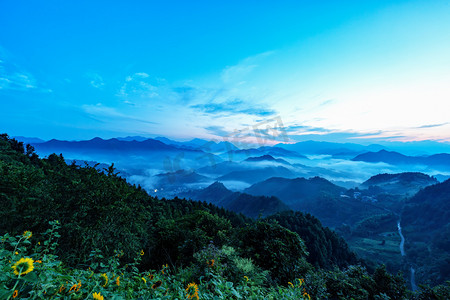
360,71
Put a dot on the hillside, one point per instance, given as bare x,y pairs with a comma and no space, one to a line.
407,183
324,245
426,223
251,206
295,191
429,209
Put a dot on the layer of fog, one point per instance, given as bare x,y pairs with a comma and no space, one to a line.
156,172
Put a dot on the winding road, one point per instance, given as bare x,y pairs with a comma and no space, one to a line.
402,252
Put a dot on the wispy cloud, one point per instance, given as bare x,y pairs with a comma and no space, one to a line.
139,85
16,80
95,80
433,125
101,112
235,106
217,130
13,77
238,72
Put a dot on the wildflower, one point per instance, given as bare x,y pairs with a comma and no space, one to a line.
246,278
300,282
23,266
15,294
192,291
16,253
62,288
157,284
118,280
73,288
307,295
211,263
144,280
105,279
97,296
151,276
142,252
27,234
78,286
290,283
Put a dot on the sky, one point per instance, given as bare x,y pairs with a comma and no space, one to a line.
343,71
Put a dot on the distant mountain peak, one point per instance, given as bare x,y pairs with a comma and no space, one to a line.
217,184
97,139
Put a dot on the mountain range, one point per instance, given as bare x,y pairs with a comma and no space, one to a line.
395,158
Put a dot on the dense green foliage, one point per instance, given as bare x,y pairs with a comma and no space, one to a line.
326,249
116,228
426,222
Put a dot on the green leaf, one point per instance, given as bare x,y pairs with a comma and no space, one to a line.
31,277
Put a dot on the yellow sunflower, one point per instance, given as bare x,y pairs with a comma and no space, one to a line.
97,296
105,279
23,266
27,234
192,291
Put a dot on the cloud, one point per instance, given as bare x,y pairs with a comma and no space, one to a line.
95,80
139,85
16,80
235,106
238,72
433,125
304,130
217,130
101,112
327,102
13,77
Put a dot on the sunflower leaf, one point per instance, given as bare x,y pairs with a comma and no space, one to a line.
31,277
